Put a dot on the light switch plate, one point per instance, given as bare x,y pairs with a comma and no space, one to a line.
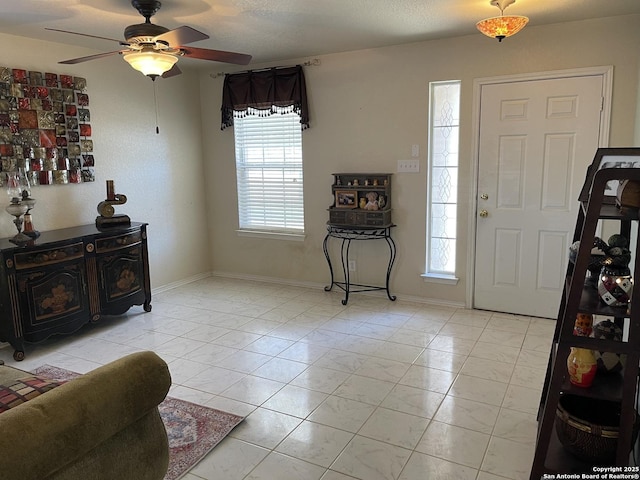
408,166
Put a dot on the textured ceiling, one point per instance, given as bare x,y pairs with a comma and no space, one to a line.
273,30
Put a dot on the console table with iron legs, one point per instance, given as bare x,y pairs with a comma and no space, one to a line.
347,235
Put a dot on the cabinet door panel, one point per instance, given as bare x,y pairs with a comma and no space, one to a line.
121,275
55,299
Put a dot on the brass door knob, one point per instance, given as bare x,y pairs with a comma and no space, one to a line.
483,213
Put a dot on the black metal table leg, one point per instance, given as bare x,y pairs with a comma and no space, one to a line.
325,249
392,259
346,234
344,253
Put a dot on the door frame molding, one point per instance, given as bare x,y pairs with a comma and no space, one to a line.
605,71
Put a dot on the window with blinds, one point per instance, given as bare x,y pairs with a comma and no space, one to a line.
269,172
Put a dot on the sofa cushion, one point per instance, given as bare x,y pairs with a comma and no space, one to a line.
24,389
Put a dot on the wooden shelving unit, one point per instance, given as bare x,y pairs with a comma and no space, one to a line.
550,456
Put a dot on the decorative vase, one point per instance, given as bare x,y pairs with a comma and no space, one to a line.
582,366
615,285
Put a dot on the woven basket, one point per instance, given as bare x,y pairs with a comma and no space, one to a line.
588,427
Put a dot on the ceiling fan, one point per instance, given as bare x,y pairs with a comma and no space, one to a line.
154,50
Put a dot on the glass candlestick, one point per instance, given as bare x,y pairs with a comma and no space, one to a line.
14,191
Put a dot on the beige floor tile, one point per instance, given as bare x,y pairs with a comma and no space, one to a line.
373,390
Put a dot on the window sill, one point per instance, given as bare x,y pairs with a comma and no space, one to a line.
293,237
440,278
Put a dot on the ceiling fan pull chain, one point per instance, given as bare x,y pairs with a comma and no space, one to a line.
155,101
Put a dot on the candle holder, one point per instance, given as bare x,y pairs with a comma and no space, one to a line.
16,186
28,229
18,209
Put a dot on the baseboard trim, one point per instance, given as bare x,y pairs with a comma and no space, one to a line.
179,283
318,286
274,280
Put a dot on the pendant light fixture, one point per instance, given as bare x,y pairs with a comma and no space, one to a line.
504,25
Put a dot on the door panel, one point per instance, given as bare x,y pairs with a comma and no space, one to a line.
558,168
553,245
510,172
536,140
507,257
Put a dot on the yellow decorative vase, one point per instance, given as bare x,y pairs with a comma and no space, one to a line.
582,366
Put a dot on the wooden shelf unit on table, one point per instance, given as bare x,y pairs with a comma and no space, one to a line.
351,219
550,456
66,278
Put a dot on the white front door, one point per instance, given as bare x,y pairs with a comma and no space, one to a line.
536,140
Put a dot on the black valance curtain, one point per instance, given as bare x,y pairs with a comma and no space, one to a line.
263,91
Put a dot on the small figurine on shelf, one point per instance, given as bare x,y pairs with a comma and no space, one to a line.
583,325
372,203
363,203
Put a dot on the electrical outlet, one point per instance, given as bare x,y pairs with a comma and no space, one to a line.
408,166
415,151
352,265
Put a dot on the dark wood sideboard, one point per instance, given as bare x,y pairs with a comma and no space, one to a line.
66,278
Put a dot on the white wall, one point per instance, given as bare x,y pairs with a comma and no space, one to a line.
367,109
161,175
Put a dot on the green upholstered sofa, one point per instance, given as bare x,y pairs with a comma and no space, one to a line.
102,425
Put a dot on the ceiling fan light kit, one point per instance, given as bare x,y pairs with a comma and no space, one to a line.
151,63
504,25
154,50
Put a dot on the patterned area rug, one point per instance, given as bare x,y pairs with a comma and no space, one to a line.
193,430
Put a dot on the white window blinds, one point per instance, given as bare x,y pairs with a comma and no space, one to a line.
269,172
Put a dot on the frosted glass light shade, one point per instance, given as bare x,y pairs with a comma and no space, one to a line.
150,62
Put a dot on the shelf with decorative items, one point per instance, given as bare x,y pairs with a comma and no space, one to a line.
361,200
361,210
587,415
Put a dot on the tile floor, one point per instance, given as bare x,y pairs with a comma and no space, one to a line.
376,390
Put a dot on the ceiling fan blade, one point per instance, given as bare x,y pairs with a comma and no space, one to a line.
181,36
87,35
73,61
216,55
172,72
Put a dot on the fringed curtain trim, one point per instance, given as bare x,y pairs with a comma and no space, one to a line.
264,93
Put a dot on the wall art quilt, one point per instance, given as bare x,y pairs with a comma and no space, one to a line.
45,127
